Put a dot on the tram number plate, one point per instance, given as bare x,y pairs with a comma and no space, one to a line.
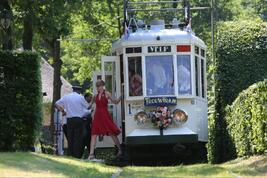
159,49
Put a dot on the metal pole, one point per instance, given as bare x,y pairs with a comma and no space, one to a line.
213,26
212,31
125,4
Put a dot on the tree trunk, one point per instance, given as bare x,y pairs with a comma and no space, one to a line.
119,20
9,39
57,81
28,32
7,43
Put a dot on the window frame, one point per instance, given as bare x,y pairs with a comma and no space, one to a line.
190,53
144,74
174,55
201,87
191,73
128,97
127,77
197,80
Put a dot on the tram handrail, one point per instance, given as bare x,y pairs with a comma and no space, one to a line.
164,9
127,8
168,9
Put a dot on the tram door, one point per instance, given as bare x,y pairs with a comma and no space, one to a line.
110,73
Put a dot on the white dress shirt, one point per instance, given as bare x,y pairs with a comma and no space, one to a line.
74,104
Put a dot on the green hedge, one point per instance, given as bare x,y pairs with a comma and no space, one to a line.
247,120
240,61
20,103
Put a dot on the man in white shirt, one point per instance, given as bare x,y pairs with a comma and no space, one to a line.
73,107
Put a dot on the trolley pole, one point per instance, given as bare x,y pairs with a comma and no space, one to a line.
213,30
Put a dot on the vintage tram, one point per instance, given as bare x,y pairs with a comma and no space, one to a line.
161,71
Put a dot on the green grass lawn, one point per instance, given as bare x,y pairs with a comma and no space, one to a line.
246,167
40,165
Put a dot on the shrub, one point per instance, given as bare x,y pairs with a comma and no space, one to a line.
20,103
240,62
247,120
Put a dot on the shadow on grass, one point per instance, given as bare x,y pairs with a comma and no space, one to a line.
252,168
62,166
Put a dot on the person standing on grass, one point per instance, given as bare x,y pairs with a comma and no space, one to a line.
73,106
102,122
87,122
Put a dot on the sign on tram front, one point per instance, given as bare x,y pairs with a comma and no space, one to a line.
160,101
159,49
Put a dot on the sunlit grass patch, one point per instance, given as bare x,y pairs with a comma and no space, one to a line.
41,165
21,164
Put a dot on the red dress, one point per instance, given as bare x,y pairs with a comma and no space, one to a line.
103,123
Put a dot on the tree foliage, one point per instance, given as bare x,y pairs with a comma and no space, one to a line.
101,20
247,120
21,97
240,62
98,21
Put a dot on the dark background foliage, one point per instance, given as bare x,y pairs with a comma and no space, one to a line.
240,62
20,103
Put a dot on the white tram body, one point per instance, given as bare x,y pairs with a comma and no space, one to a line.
169,67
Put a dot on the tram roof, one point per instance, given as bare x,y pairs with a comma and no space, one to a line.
168,36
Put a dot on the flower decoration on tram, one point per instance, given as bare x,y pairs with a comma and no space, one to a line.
141,117
179,116
161,117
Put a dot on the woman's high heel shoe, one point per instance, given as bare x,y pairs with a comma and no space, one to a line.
92,158
119,154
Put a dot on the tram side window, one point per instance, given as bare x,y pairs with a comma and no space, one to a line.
196,76
197,50
202,78
135,76
159,75
202,53
184,74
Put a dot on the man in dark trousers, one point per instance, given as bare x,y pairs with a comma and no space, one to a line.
87,120
74,106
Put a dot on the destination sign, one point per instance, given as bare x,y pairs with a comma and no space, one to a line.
159,49
160,101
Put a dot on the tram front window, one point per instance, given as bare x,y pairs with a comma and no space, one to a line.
184,74
159,75
135,76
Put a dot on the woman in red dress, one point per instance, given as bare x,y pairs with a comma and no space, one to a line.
102,121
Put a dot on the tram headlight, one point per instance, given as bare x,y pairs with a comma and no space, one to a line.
179,116
141,117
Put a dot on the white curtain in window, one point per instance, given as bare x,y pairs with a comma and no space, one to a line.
159,75
184,74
